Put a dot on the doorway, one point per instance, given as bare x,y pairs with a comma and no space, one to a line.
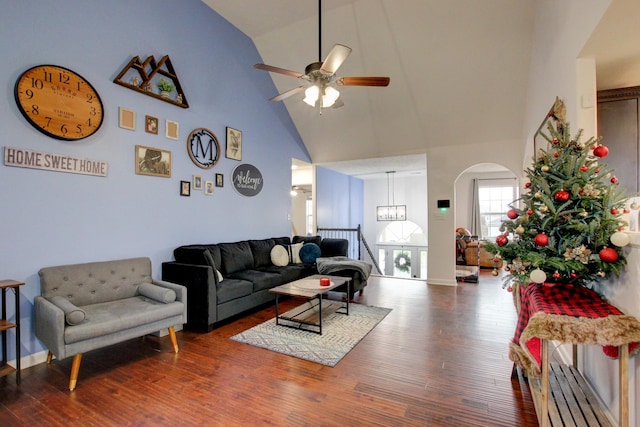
302,198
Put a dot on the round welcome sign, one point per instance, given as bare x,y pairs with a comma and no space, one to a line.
247,180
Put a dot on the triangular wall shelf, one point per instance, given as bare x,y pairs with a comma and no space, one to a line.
144,76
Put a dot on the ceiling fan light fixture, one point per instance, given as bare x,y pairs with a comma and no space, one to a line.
311,95
330,96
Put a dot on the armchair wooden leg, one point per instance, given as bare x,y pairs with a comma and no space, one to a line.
49,358
174,340
75,368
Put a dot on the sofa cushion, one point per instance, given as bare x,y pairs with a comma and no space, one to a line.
309,252
73,314
334,247
260,279
232,288
279,256
282,240
235,257
261,250
107,318
157,293
307,239
192,254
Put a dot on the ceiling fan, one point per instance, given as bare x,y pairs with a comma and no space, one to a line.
322,74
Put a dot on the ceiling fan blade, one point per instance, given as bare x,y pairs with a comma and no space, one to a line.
338,104
287,94
336,57
363,81
273,69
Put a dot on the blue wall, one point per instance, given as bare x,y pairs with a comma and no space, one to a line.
51,218
339,199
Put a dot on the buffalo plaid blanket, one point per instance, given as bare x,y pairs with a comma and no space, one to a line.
568,313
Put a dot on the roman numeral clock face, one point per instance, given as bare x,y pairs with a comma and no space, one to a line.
59,102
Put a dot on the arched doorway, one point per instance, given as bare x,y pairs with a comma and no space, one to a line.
482,196
402,250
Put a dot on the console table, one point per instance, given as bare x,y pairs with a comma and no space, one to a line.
577,315
6,369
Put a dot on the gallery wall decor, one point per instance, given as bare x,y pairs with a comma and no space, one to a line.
185,188
219,180
156,79
197,182
234,144
151,124
203,148
247,180
23,158
126,118
208,188
171,129
59,102
153,161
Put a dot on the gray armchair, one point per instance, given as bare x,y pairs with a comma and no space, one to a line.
83,307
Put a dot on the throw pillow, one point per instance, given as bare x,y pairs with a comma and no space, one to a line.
219,276
279,256
157,293
73,314
309,252
294,253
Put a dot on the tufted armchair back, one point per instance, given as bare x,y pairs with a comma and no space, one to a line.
95,282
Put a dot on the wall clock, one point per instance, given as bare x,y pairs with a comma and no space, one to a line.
59,102
203,148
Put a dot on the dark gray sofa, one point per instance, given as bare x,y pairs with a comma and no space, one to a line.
247,272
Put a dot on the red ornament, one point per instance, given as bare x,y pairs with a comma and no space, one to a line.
556,275
541,239
626,210
614,180
614,211
527,185
555,141
573,274
556,154
584,168
597,171
600,151
608,255
509,289
501,240
512,214
561,196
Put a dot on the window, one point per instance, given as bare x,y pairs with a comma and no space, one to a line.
494,196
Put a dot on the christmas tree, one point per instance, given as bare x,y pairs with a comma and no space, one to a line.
566,226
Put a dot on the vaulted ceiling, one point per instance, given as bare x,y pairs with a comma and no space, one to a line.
458,68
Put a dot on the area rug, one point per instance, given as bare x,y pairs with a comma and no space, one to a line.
340,334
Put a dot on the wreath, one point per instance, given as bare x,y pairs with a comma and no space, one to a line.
402,262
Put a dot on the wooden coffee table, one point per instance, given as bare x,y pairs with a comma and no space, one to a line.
316,306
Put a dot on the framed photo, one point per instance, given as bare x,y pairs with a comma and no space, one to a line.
208,188
151,124
234,144
171,129
127,118
153,161
219,180
185,188
197,182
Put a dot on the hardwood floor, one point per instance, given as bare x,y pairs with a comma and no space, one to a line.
438,359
